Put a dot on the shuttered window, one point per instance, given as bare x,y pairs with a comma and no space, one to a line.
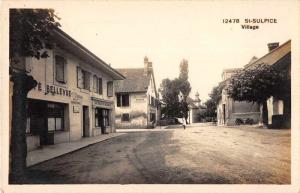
100,86
95,84
110,89
86,79
79,78
60,63
83,79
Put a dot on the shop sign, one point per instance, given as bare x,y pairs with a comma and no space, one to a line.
54,90
102,103
76,109
76,98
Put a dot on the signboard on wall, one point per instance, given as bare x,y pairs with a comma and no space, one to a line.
51,89
76,109
102,103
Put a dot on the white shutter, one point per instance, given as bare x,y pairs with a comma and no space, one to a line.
79,78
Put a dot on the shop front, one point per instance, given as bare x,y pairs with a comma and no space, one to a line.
46,123
103,119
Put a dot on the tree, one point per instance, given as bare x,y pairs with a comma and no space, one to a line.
212,103
169,95
258,84
170,90
30,36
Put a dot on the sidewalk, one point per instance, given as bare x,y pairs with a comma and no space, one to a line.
52,151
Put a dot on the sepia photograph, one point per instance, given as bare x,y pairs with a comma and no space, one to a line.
124,94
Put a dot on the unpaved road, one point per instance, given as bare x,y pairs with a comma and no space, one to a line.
197,155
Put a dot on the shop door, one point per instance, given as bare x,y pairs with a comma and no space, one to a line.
86,122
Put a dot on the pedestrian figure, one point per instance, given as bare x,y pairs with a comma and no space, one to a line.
183,122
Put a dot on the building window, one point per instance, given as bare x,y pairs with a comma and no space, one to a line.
110,89
125,117
60,63
55,117
101,117
86,79
98,117
106,117
83,79
122,100
44,117
97,84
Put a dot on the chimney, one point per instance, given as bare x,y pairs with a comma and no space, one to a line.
147,66
272,46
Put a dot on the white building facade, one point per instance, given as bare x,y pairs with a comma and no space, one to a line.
74,96
136,98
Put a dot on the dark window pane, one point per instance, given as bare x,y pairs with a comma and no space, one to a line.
125,100
125,117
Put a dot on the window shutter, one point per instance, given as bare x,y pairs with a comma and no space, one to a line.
110,89
59,68
95,84
65,71
79,78
89,81
118,100
100,86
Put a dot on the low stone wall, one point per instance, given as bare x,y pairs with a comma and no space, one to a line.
137,122
252,115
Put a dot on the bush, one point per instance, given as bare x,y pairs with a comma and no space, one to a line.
249,121
239,121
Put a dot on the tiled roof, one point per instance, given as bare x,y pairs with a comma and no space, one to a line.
135,80
273,56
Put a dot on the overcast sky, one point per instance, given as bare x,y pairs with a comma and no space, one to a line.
122,33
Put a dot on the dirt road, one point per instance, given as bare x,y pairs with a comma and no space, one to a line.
197,155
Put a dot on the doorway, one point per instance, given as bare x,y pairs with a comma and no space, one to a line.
85,121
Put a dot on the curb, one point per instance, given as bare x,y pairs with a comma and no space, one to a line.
72,151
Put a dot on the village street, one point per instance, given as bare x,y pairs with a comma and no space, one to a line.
200,154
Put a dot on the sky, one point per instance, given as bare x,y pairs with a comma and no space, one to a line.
123,33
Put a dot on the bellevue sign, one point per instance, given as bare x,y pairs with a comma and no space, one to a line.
54,90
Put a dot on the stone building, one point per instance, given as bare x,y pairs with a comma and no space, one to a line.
137,104
230,111
74,97
278,110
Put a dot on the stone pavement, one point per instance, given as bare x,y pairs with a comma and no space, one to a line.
52,151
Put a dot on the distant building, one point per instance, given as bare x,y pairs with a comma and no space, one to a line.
195,109
278,110
74,97
137,104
